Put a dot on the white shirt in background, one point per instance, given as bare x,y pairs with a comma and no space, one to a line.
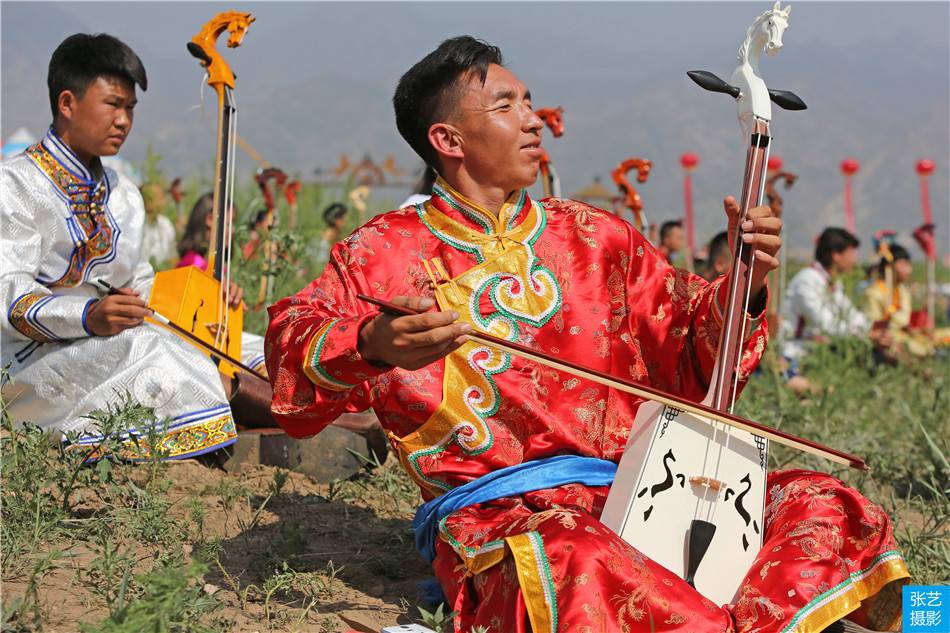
815,304
158,241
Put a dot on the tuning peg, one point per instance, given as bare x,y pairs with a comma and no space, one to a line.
711,82
786,100
197,51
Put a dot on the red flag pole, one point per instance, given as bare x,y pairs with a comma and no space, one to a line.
924,168
689,161
849,167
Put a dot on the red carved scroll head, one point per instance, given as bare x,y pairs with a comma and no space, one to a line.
175,190
924,235
291,191
631,197
553,118
263,177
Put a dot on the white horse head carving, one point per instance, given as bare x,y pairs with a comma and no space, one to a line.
764,34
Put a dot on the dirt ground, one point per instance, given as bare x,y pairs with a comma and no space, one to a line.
350,542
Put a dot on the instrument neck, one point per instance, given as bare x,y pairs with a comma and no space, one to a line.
220,225
726,377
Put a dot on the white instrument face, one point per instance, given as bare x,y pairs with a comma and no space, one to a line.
660,489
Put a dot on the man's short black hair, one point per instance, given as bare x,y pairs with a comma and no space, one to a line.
81,59
667,227
899,252
428,92
834,240
719,247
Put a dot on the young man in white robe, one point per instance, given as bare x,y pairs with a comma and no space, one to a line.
816,307
68,223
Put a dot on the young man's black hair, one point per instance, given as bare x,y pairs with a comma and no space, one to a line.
899,252
334,212
668,226
833,240
719,246
429,91
80,59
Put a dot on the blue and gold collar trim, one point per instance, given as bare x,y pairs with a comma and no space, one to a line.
68,159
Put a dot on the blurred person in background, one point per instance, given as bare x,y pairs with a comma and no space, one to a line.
672,239
158,238
718,257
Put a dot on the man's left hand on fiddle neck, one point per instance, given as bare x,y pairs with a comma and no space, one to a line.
762,232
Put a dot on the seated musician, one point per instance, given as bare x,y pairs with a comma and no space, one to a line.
256,229
193,245
334,216
68,223
158,234
816,307
672,239
577,283
718,258
892,307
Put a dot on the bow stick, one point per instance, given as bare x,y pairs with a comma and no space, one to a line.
211,349
643,391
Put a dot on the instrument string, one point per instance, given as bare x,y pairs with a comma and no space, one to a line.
757,161
227,240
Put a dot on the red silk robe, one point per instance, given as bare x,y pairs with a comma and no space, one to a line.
578,283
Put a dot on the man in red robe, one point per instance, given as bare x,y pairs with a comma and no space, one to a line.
578,283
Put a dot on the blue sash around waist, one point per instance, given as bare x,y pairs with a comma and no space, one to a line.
512,481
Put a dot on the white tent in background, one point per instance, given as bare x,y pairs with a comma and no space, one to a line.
17,142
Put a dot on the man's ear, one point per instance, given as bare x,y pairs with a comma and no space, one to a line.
66,104
446,140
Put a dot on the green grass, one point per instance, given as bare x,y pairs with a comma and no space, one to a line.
147,553
141,553
894,417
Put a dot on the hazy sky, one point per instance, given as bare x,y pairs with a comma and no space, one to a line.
315,80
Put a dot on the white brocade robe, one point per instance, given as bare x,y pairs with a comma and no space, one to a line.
63,229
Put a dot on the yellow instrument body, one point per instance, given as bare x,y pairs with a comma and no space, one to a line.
191,298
